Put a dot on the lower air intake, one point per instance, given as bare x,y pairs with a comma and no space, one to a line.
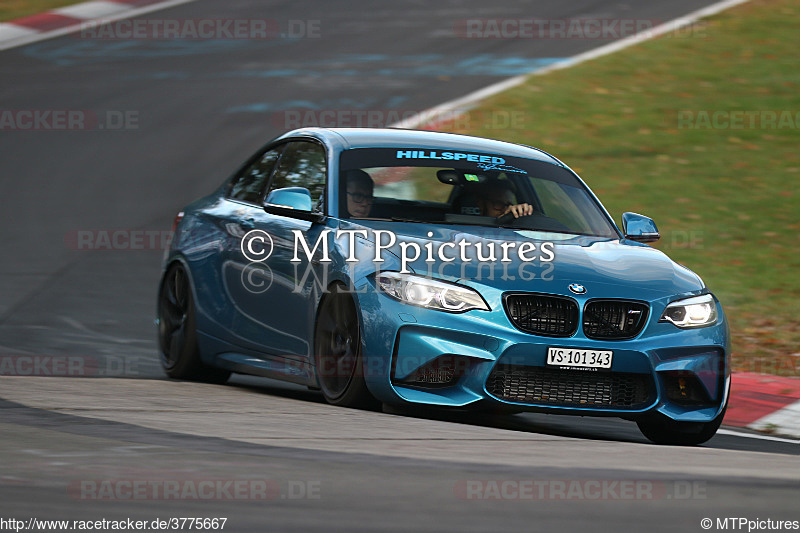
569,388
443,371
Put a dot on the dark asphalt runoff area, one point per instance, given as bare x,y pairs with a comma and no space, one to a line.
120,441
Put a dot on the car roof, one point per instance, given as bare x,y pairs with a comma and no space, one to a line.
349,138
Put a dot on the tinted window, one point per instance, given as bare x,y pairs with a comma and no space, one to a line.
572,206
250,185
302,165
467,187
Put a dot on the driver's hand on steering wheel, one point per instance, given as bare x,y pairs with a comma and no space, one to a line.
519,210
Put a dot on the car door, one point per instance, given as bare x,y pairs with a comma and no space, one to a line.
275,309
235,217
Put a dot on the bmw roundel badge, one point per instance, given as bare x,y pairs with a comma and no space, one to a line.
577,288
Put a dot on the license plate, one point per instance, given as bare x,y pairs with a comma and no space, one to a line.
579,358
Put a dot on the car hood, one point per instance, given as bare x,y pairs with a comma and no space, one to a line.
605,267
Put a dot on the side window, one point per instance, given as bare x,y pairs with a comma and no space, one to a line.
559,204
302,165
249,186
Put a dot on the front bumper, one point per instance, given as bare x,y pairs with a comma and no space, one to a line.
420,356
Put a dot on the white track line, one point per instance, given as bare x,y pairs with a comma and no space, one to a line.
787,419
754,436
465,102
93,10
9,32
126,14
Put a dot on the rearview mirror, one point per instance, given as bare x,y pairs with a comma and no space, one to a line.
450,177
458,177
639,228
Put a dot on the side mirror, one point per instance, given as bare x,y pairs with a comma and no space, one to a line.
292,202
639,228
291,197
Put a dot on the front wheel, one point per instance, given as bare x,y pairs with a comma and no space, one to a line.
177,336
337,352
663,430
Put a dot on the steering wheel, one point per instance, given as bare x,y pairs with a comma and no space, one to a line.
506,218
536,220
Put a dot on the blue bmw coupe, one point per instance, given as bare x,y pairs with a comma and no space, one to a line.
416,267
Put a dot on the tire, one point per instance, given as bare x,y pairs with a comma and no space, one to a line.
177,335
663,430
337,352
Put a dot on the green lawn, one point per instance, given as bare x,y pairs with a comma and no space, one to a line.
725,198
12,9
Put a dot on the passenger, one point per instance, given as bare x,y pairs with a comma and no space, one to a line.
359,193
497,198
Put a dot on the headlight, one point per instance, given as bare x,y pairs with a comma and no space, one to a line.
433,294
695,312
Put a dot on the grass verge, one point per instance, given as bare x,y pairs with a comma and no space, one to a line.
664,128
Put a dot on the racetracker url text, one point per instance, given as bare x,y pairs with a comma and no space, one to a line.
103,524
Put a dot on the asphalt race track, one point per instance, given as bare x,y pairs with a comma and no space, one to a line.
196,109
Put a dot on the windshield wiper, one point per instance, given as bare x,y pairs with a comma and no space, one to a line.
395,219
416,220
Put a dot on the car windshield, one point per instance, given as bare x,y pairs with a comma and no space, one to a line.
465,187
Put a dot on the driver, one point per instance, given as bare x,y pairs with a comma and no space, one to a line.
497,198
359,193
